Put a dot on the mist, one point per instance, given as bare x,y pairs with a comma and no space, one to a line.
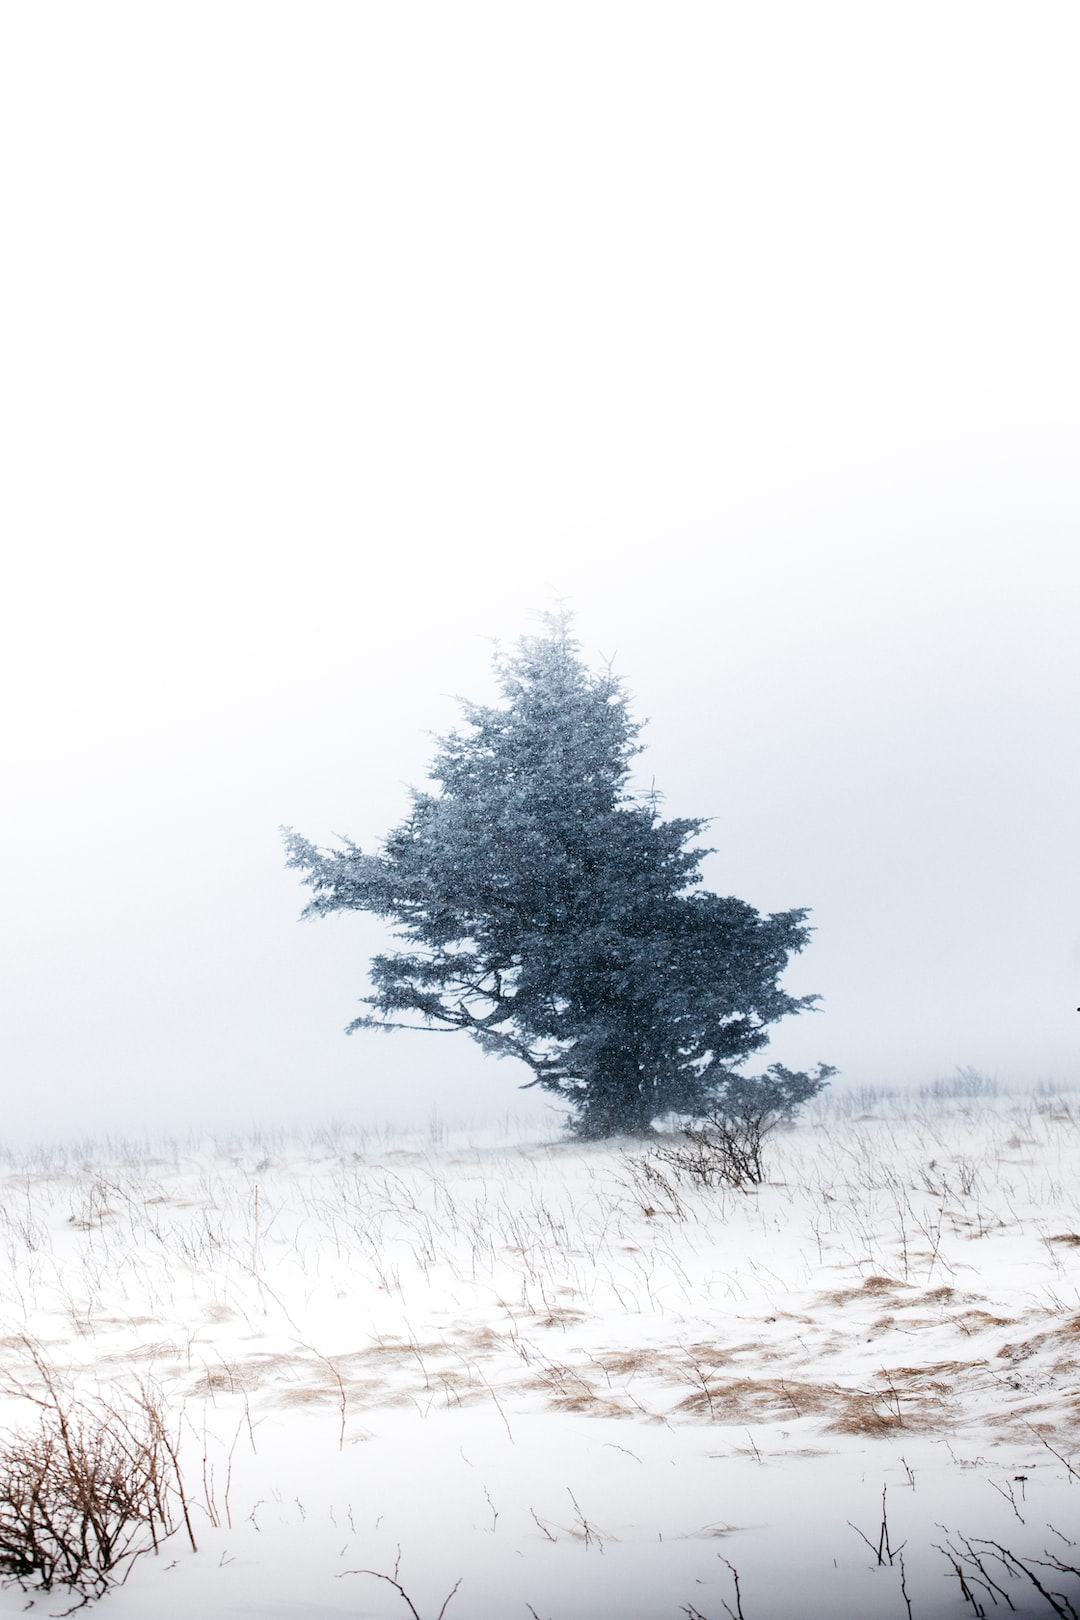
343,343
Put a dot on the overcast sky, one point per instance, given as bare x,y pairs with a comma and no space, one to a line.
343,338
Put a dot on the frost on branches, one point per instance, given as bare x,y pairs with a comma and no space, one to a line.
553,916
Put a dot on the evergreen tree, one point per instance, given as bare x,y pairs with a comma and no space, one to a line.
557,918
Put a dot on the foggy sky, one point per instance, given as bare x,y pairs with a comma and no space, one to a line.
342,340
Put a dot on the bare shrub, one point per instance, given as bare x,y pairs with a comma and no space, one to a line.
87,1489
727,1147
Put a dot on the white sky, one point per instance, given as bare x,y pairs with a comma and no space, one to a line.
340,338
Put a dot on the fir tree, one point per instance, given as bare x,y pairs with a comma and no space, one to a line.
555,917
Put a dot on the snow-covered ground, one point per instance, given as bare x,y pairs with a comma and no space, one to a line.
570,1379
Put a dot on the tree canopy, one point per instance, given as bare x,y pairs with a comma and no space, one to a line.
555,917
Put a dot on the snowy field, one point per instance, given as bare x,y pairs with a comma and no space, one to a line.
569,1378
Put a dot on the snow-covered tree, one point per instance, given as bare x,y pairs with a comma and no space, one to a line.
555,917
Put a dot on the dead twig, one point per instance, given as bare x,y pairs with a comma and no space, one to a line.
392,1580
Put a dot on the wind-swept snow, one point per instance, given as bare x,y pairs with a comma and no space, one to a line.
572,1380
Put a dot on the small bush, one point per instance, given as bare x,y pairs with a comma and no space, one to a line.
86,1490
727,1146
